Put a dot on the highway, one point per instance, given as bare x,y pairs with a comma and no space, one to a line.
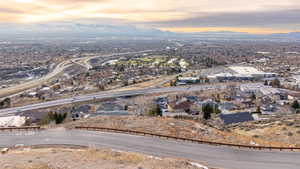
214,156
107,94
10,91
83,61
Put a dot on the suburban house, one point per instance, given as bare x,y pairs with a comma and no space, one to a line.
294,96
180,107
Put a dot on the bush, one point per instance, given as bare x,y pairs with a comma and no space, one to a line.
276,83
290,134
155,111
6,103
58,118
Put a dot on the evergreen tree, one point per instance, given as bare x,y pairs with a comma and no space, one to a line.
58,118
258,110
295,104
253,97
207,111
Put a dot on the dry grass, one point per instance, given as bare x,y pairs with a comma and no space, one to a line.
113,156
39,166
171,127
65,158
285,130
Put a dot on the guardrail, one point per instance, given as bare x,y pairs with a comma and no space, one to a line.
20,128
186,139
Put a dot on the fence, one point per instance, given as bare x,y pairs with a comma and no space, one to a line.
20,128
186,139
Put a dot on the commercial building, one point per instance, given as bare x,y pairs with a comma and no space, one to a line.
240,73
248,71
188,80
252,88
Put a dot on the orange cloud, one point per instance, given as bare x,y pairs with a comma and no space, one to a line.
136,11
233,29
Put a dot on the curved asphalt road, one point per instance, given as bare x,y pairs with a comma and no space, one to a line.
221,157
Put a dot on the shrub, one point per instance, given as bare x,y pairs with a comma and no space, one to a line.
155,111
275,83
6,103
58,118
290,134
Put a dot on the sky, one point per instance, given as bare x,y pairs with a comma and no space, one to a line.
252,16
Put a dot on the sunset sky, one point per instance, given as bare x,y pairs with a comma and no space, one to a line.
253,16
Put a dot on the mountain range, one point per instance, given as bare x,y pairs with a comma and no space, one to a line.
123,30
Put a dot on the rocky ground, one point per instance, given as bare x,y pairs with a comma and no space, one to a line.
173,127
67,158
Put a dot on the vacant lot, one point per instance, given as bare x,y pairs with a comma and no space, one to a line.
66,158
278,129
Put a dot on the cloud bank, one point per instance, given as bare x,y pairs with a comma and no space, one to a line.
279,15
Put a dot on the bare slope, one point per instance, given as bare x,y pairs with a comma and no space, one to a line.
55,158
172,127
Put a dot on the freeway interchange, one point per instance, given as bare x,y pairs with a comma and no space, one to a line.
83,61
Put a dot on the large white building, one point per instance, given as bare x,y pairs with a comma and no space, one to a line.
241,73
252,88
251,71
